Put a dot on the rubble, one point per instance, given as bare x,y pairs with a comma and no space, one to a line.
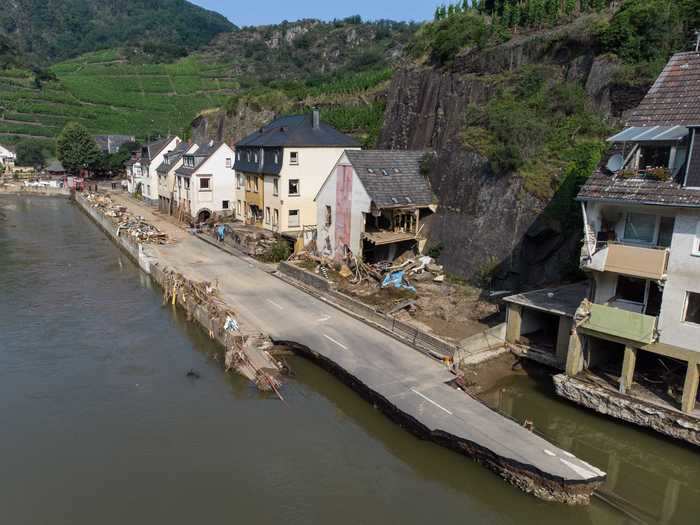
132,225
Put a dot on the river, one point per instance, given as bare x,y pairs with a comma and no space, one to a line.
101,425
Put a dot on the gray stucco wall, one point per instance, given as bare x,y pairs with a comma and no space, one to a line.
683,277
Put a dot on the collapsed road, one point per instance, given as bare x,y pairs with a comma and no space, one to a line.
409,387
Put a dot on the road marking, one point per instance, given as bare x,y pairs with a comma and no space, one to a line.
273,303
324,318
341,345
430,401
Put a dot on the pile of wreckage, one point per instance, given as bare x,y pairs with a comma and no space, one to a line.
249,356
134,226
387,274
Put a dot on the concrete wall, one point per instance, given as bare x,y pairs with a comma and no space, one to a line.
683,277
328,196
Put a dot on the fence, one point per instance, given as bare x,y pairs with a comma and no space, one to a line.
411,335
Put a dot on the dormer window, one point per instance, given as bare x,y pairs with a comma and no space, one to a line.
247,156
654,156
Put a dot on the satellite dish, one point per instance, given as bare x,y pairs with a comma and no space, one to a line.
615,163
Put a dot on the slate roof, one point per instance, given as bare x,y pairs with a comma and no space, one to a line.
151,150
297,131
392,178
602,186
674,99
204,151
174,156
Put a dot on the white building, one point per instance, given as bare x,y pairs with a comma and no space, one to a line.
172,161
142,177
7,157
280,169
204,183
372,204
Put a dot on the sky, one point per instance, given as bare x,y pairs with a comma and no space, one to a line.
274,11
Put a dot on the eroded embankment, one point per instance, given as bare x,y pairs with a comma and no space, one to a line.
529,477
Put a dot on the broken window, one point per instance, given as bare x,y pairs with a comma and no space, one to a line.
293,187
692,308
329,215
630,289
293,221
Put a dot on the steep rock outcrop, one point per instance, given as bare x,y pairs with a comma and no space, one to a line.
486,221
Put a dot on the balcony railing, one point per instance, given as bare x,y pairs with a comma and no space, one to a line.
627,259
620,323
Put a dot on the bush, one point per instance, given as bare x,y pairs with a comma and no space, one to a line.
277,252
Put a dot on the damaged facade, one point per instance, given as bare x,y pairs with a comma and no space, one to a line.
637,326
372,204
280,168
142,177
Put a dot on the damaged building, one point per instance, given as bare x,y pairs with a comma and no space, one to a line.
631,335
373,204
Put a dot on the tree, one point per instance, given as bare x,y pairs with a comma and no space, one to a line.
30,153
76,149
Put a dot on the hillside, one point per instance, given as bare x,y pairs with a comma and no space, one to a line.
47,31
114,91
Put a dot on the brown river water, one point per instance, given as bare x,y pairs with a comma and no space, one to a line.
100,425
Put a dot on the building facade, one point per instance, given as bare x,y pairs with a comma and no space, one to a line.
204,183
7,158
372,204
172,161
280,169
142,175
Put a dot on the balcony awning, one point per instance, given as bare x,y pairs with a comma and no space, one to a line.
651,134
624,324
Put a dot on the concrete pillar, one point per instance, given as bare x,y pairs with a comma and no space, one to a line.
690,387
628,364
514,323
563,337
574,356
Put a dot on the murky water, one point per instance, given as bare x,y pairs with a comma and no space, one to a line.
100,424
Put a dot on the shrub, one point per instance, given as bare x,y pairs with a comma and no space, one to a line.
277,252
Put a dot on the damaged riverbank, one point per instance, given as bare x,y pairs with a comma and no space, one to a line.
411,388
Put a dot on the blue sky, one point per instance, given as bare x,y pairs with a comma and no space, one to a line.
274,11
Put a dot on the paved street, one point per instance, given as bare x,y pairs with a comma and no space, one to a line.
413,382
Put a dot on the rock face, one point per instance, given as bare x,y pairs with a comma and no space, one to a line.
484,220
666,421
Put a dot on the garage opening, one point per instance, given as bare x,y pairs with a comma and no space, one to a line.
203,216
539,330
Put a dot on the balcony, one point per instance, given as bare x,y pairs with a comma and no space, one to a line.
619,323
631,260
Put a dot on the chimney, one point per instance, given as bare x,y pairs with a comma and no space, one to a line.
316,118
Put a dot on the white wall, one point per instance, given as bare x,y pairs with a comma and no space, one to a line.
222,184
150,180
361,204
314,166
683,276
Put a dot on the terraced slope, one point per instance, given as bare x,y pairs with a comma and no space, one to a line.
108,95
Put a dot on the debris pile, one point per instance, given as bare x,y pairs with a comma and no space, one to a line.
134,226
247,355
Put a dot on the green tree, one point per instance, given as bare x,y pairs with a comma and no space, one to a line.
76,149
30,153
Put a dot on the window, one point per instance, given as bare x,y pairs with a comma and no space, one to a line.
294,158
238,207
692,308
696,241
277,158
247,156
666,225
275,217
248,183
228,163
293,219
267,215
654,157
640,227
187,184
329,215
631,290
238,155
293,187
224,205
204,184
238,182
255,157
275,186
255,182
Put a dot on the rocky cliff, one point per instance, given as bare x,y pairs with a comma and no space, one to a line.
487,223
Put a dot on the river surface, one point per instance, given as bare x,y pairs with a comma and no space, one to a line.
100,425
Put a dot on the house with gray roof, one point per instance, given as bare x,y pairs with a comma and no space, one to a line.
172,161
142,177
204,183
372,204
641,253
280,168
